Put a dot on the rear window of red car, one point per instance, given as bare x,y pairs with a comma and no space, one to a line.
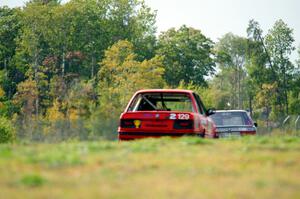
161,102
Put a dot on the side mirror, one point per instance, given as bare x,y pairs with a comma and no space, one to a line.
210,111
255,124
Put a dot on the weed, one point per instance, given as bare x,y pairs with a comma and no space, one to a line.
5,151
194,141
33,180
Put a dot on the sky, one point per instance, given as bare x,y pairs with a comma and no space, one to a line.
215,18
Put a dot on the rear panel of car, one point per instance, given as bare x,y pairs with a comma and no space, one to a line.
233,123
171,119
158,123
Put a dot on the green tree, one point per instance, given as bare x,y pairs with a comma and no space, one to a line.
279,42
294,95
274,49
259,65
7,131
134,21
298,61
231,52
266,98
49,53
80,99
9,31
10,26
187,55
33,48
88,27
260,53
211,96
26,97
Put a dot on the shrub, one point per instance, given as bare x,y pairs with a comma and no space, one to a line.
6,130
33,180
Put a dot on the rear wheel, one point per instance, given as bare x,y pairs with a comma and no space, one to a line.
202,135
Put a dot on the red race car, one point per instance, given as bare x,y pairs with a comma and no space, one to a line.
165,112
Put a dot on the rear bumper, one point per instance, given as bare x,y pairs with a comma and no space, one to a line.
139,135
243,133
248,133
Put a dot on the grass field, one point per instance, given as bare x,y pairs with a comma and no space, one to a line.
251,167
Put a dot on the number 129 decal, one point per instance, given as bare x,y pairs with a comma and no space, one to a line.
180,116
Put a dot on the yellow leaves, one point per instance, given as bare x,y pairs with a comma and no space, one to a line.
27,94
27,88
115,57
73,114
270,87
2,93
121,75
266,95
53,113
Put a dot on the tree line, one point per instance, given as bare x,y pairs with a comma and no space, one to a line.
68,70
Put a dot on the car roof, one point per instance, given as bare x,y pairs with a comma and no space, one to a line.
164,91
223,111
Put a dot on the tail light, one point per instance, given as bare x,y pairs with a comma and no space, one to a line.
183,124
248,132
127,123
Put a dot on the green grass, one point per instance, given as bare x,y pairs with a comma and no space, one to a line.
32,180
251,167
